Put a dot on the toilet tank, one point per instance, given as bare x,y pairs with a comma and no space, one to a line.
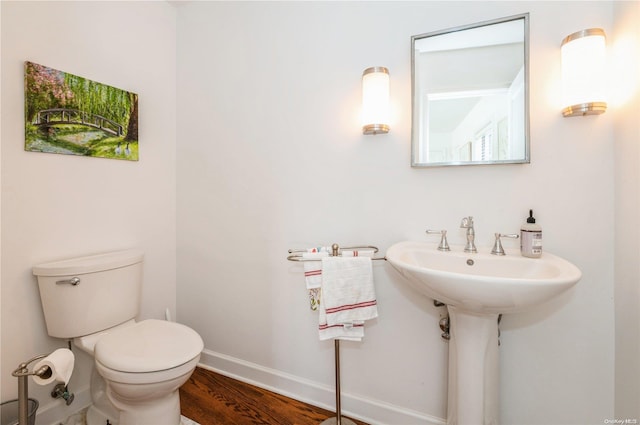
81,296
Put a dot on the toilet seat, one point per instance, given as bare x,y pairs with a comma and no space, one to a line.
148,346
147,378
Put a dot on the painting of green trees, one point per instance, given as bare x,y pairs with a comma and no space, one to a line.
72,115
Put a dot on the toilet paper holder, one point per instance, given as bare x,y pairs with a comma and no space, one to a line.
22,372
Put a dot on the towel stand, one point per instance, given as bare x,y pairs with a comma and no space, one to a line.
296,254
335,251
338,420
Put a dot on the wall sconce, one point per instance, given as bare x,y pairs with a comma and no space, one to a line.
583,73
375,100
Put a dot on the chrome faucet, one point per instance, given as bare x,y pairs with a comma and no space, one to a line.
444,244
497,246
467,223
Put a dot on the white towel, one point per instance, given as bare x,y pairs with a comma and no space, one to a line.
313,275
349,332
313,269
320,249
348,293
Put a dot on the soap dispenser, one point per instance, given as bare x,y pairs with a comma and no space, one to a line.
531,238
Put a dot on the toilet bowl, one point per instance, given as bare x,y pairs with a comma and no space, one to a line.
138,366
143,364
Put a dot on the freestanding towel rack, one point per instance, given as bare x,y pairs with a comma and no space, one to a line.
296,255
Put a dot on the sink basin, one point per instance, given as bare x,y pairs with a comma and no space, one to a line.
477,288
482,282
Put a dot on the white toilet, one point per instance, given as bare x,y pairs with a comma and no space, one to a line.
139,366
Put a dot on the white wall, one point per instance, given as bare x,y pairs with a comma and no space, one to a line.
626,104
56,206
270,157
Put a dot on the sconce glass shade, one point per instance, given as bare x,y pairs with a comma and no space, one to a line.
583,73
375,100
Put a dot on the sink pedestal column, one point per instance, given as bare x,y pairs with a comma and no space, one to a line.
473,368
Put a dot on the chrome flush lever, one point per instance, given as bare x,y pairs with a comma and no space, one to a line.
73,281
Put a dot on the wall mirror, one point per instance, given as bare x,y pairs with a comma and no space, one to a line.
471,94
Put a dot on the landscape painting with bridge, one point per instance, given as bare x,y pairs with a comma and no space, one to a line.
72,115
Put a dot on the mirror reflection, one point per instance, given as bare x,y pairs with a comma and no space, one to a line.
470,94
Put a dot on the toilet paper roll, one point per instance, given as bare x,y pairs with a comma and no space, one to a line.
60,367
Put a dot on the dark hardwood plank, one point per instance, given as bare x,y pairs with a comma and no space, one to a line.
210,398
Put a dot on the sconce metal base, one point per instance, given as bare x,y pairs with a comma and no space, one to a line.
582,109
375,129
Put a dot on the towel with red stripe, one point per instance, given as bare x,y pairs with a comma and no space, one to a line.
348,296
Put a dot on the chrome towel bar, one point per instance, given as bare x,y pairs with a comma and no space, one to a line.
336,250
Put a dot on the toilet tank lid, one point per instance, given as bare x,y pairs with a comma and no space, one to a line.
90,263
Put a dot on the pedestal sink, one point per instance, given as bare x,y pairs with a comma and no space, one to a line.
477,288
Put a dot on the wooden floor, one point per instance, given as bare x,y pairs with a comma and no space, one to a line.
210,398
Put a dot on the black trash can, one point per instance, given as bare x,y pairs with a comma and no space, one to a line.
9,414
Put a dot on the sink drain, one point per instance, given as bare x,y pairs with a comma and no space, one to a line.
470,262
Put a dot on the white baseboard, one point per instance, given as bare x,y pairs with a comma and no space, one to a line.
372,411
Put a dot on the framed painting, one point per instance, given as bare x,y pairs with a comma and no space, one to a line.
72,115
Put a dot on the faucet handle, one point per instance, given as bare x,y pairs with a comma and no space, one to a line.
443,245
497,246
467,222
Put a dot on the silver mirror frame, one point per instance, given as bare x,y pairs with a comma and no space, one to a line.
414,142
